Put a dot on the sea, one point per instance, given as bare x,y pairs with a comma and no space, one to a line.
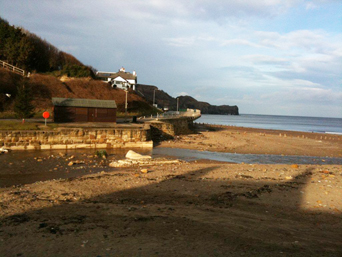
277,122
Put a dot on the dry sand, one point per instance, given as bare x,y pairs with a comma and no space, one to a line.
201,208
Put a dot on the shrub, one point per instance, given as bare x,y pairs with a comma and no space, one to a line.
22,105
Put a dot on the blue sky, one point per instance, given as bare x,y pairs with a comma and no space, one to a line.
266,56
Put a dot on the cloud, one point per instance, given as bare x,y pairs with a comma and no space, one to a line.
238,41
305,95
180,42
311,6
222,51
299,39
266,59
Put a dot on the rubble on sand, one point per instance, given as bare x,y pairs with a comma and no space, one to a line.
133,158
3,150
136,156
150,162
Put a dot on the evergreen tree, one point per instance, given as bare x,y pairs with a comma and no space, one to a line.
22,105
21,48
25,54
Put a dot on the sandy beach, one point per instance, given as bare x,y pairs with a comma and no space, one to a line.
258,141
198,208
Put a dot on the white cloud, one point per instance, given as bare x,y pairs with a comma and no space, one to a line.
220,51
303,39
180,42
311,6
238,41
265,59
305,95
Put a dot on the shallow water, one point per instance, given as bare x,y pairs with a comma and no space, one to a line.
187,154
25,167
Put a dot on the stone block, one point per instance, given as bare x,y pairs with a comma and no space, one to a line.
58,146
31,147
148,144
83,146
101,146
45,147
110,132
80,133
21,147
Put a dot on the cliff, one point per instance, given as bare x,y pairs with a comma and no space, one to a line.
164,100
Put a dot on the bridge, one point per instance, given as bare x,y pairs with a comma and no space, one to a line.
170,124
13,68
190,114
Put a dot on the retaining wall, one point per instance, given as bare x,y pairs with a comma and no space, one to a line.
71,138
168,128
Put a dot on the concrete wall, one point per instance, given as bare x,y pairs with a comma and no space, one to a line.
168,128
71,138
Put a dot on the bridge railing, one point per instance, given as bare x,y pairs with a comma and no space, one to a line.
189,113
12,68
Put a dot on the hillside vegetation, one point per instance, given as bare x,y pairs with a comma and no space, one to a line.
54,73
48,66
27,51
44,87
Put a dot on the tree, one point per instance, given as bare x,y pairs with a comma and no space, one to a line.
22,105
25,54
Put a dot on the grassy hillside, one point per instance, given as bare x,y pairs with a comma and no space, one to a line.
47,64
46,86
27,51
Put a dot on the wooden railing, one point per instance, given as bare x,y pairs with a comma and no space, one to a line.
12,68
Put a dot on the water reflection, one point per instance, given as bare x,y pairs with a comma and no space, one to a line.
25,167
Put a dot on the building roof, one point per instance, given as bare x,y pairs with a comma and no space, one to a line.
113,75
102,74
124,75
78,102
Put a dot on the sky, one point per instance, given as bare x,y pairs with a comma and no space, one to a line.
265,56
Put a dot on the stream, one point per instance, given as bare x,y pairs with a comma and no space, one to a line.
25,167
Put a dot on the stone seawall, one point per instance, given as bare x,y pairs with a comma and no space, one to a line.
168,128
71,138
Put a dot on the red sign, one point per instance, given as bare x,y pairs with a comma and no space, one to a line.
46,115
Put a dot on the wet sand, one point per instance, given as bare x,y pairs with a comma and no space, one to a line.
258,141
199,208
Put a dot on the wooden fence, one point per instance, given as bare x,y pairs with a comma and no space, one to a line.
12,68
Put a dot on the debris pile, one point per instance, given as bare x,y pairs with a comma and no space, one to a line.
133,158
3,150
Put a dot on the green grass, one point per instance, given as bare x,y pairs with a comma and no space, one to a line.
18,125
7,115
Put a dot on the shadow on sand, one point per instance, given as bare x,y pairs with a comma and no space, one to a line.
189,214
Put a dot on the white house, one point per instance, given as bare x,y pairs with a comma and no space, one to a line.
120,79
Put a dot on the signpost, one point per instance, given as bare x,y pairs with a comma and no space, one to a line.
126,104
46,115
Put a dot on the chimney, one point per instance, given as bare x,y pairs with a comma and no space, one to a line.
134,73
122,69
